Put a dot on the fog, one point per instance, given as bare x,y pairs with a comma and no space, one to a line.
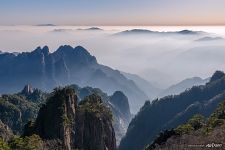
163,57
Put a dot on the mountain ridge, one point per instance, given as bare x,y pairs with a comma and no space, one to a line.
66,65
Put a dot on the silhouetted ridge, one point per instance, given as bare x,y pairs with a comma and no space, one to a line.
217,75
39,50
65,66
170,111
198,130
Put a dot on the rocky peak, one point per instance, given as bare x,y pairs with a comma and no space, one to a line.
77,55
56,119
27,90
94,125
44,50
217,75
121,101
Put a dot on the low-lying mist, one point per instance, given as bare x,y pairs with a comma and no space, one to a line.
163,58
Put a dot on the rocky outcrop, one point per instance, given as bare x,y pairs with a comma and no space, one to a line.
56,119
5,132
120,101
120,107
27,90
94,130
63,124
118,104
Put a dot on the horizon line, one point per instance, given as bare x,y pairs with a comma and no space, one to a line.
52,24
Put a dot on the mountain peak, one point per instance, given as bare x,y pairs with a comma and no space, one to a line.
44,50
27,89
81,49
217,75
65,48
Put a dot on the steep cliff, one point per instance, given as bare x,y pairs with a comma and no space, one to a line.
63,124
94,130
5,132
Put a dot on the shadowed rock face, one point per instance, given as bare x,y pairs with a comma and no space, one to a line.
121,102
56,119
93,126
67,125
5,132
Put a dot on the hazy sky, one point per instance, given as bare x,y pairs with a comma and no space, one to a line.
112,12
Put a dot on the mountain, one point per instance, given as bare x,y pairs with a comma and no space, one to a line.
150,90
182,86
91,29
17,109
46,25
62,123
65,66
170,111
149,32
207,132
118,104
208,38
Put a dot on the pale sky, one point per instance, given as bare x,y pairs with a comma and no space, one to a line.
112,12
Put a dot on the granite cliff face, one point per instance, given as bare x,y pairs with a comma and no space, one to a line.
94,125
120,101
62,123
5,132
118,104
56,119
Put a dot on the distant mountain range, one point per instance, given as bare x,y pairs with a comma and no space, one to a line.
171,111
67,65
208,38
150,32
50,25
149,88
182,86
91,29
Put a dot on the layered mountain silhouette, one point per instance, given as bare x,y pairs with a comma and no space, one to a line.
67,65
208,38
150,32
149,88
171,111
182,86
